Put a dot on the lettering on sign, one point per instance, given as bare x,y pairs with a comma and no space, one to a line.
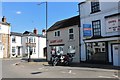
113,24
56,41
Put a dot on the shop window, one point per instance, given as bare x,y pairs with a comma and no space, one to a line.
71,49
57,50
95,7
96,53
103,49
96,28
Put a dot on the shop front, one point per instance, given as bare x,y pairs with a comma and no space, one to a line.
97,52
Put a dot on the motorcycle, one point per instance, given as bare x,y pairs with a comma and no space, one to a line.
62,59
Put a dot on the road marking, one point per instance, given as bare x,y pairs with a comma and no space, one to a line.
69,72
105,77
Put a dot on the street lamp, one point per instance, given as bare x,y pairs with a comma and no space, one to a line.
46,22
46,12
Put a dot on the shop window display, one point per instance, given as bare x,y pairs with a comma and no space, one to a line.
96,51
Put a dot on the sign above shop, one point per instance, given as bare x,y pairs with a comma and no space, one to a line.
113,24
87,30
56,41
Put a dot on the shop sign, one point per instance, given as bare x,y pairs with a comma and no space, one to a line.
56,41
112,24
87,30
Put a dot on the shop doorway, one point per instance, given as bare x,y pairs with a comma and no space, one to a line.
116,54
97,52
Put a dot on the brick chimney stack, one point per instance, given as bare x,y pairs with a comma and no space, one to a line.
4,19
43,32
35,31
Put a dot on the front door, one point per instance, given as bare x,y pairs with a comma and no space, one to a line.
116,54
18,51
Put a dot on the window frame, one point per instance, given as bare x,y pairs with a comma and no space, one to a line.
14,39
71,33
13,50
96,29
95,7
57,33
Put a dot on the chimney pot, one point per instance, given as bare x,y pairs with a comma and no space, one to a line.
4,19
43,32
35,31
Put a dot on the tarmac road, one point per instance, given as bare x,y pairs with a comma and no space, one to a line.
14,68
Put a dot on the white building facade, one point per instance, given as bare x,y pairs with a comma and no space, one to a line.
4,39
100,32
63,38
16,44
23,43
31,41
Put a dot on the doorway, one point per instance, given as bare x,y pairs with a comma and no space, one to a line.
116,54
18,51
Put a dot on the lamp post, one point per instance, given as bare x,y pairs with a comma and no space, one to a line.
46,12
46,22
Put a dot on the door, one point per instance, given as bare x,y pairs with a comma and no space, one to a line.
116,54
1,51
18,51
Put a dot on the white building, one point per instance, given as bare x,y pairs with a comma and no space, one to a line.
32,41
21,44
4,38
100,32
63,38
16,44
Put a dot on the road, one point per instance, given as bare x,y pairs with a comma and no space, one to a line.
14,68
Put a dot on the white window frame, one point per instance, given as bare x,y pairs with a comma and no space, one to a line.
14,49
56,33
71,33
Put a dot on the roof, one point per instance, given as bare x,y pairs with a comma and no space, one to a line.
3,23
27,33
16,34
65,23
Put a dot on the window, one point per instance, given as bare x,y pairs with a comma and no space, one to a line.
13,39
71,49
96,28
57,33
95,7
71,34
13,49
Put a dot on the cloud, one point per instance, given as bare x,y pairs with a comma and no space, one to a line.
18,12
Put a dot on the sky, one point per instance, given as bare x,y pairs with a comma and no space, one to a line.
25,16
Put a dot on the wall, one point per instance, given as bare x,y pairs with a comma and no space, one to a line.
42,45
64,35
107,8
16,44
5,32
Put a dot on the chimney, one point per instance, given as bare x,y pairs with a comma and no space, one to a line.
35,31
43,32
4,19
